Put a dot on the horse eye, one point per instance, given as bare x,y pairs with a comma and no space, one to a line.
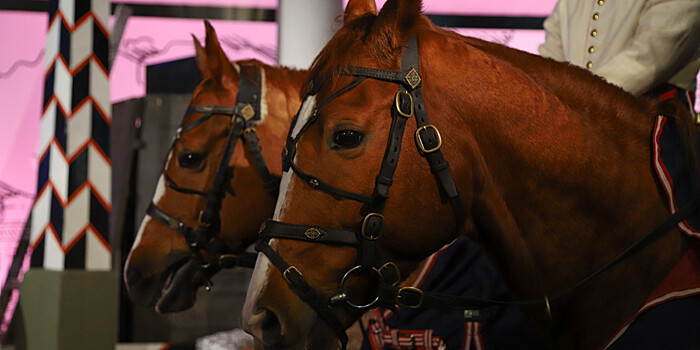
190,160
347,138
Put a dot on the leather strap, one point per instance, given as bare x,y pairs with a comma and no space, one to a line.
430,139
171,222
319,234
304,290
271,183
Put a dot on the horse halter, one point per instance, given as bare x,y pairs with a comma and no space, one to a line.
244,117
408,102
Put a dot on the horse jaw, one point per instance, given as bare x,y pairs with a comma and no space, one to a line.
171,290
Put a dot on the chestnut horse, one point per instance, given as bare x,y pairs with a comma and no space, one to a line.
160,269
548,171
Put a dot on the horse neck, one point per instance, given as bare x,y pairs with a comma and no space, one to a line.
562,187
289,81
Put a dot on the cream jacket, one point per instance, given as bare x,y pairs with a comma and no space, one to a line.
635,44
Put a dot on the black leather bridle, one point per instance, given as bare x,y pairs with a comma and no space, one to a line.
408,102
244,117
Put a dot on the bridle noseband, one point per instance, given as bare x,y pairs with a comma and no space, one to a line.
245,115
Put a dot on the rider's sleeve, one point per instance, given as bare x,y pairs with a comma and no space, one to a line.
553,45
664,48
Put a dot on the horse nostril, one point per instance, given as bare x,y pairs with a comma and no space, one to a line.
133,276
271,328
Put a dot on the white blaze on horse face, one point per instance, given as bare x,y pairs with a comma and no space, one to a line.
157,196
263,95
262,265
305,112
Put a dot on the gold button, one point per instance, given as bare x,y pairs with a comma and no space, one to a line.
596,16
591,49
601,2
594,32
589,65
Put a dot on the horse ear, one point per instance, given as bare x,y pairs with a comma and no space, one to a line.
217,63
200,57
397,18
357,8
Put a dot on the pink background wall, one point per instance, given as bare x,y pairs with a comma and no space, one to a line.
153,40
149,40
266,4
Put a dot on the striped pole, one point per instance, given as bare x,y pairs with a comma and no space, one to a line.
69,296
69,228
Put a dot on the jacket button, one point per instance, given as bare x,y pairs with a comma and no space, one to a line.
591,49
594,32
596,16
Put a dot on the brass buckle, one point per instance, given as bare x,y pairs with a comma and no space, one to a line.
224,257
400,295
398,103
247,112
396,268
419,139
364,226
199,220
289,270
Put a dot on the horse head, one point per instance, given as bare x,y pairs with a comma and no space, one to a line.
220,177
543,164
339,141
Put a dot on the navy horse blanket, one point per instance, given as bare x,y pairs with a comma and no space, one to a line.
460,268
670,318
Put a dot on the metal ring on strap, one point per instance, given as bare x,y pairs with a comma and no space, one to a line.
364,226
288,271
393,265
404,293
398,103
347,299
419,139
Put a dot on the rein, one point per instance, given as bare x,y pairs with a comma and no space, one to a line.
408,102
244,117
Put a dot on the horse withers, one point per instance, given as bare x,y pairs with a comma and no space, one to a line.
163,269
548,170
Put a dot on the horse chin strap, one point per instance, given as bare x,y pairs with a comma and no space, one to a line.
244,116
408,102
